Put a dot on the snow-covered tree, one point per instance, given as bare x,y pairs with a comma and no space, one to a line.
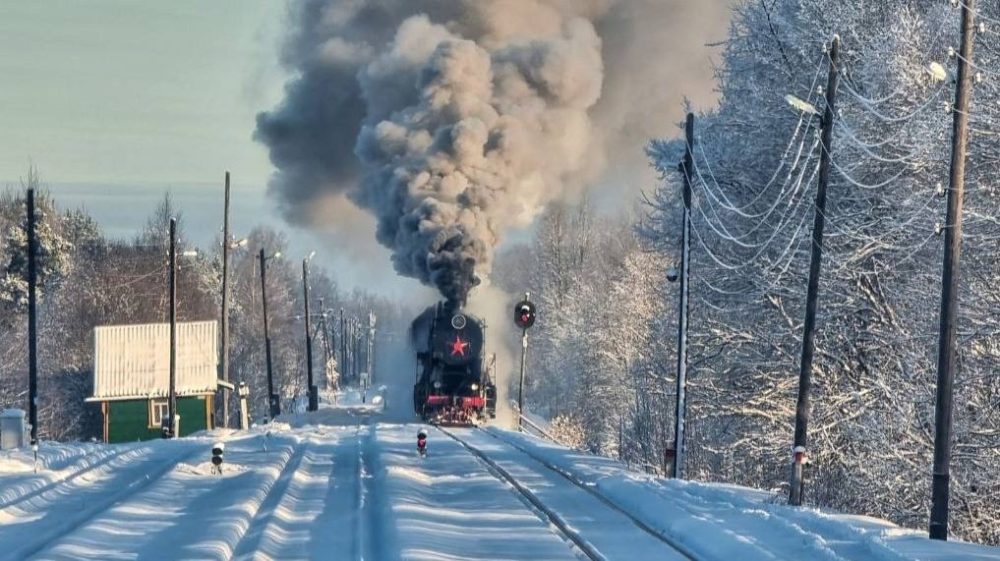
52,257
755,157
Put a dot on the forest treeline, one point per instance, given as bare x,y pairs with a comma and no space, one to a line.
87,279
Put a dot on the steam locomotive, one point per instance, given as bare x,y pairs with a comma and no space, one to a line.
454,385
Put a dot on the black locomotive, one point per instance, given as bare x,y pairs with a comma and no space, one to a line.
454,385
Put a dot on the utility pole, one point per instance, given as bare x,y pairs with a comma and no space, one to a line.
680,404
326,341
343,347
32,321
224,324
355,364
313,397
370,358
172,392
950,280
356,350
802,407
274,404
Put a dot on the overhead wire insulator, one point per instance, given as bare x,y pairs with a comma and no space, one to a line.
937,72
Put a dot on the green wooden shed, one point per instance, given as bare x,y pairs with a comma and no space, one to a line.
132,378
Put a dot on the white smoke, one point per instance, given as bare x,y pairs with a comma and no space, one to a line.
495,308
452,121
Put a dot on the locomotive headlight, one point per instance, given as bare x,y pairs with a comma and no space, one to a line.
437,385
474,387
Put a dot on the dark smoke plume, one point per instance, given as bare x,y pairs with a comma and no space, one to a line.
451,121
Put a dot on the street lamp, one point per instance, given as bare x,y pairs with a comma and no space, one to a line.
274,403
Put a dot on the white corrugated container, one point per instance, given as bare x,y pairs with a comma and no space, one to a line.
133,361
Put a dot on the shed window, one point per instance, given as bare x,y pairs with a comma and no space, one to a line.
158,409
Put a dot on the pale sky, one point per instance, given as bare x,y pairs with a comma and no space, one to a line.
124,92
118,101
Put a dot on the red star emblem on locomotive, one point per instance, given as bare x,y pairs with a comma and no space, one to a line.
458,346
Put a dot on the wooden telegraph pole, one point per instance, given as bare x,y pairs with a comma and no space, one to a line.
680,404
809,328
224,325
310,386
172,392
273,400
949,281
32,320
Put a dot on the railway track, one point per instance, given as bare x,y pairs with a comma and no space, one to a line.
599,496
98,467
364,546
559,520
36,543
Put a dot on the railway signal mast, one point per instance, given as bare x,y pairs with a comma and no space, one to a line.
524,317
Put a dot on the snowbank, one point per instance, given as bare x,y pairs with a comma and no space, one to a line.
731,522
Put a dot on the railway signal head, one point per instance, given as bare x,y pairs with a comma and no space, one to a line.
524,314
422,442
217,451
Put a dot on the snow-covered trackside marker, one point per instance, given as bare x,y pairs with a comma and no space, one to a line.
711,517
594,523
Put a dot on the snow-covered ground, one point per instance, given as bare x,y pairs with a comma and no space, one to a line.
343,483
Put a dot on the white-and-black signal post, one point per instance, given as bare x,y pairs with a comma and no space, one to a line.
218,449
524,317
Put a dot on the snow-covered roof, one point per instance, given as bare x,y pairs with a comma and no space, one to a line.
133,361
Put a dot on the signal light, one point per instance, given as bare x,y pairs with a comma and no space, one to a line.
524,314
422,442
217,450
